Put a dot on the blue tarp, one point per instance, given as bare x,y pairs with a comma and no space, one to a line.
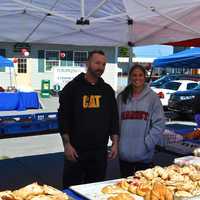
18,101
4,62
189,58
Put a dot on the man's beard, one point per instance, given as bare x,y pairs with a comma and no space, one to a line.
96,73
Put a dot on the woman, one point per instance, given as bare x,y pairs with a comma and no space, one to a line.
142,123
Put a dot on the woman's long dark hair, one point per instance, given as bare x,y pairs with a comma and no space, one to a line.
127,92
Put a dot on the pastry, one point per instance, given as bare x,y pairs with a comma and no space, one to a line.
7,195
122,196
183,194
29,190
141,191
111,189
159,192
123,184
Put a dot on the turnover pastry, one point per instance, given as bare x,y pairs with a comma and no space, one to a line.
122,196
183,194
7,195
123,184
111,189
29,190
34,192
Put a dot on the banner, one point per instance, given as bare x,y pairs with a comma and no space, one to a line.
63,75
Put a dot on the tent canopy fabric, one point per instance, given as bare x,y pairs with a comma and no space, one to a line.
4,62
99,22
189,58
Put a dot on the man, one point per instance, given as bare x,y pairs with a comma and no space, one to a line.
87,117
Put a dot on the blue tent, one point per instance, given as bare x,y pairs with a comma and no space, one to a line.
4,62
189,58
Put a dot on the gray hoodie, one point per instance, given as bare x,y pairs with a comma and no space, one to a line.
142,123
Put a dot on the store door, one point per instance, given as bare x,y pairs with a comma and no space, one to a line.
23,74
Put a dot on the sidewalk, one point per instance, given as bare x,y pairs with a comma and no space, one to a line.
36,158
40,158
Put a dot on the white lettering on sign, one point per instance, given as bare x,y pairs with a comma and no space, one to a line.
62,75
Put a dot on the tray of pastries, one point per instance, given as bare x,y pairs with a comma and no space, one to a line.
170,183
104,190
34,191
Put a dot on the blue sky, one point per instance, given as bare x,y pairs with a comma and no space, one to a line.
153,51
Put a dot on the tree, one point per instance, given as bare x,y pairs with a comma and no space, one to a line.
123,52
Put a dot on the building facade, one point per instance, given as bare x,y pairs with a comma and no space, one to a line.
29,71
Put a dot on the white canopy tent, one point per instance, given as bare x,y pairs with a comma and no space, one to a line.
99,22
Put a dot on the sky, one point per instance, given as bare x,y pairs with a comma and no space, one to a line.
152,51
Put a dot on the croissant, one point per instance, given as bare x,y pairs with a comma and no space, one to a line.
141,191
159,192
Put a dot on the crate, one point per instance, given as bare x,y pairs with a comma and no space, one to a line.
52,124
51,118
24,127
46,116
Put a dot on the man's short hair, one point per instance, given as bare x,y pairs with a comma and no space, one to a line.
94,52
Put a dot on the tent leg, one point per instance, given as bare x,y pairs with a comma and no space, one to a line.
10,77
130,63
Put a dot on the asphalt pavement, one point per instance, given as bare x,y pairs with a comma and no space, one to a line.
40,158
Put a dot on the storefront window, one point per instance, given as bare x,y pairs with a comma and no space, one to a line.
80,58
52,59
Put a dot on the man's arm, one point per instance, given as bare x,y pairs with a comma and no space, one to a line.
65,139
115,139
64,120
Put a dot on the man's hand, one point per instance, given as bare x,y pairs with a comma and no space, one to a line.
113,152
70,152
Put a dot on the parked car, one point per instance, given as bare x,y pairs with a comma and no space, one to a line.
170,77
172,86
181,102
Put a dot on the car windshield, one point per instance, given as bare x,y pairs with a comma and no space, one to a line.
197,87
171,85
162,79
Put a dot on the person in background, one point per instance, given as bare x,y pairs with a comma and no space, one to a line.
196,110
87,117
142,123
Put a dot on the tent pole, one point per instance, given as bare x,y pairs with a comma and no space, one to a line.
130,61
82,9
96,8
10,77
44,10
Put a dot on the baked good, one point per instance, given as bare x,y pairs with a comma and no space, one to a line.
122,196
142,190
29,190
123,184
7,195
111,189
159,192
183,194
34,191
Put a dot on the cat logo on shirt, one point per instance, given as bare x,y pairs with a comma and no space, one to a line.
91,101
